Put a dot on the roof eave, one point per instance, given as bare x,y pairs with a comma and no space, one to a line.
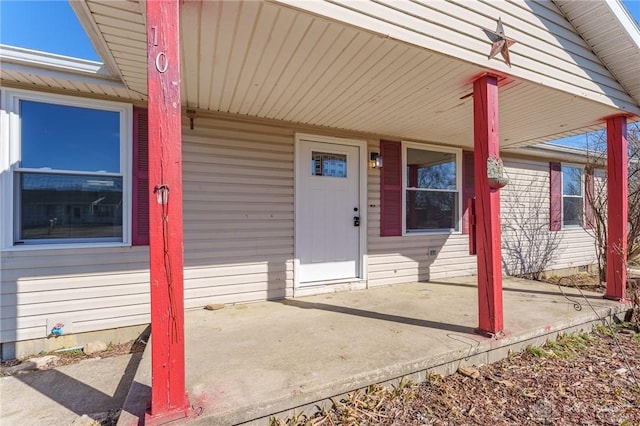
31,61
625,19
87,21
52,61
554,152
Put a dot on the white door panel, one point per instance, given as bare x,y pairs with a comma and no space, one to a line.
328,199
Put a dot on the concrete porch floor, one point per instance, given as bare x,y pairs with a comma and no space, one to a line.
247,362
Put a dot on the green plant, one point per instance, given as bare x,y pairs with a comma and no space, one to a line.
603,329
567,345
434,379
535,351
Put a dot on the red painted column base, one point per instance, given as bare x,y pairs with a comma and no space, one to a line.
620,299
484,333
168,416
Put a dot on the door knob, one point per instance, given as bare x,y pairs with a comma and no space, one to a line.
356,221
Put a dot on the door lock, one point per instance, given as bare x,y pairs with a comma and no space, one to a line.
356,221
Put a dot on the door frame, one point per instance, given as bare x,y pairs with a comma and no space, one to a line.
362,191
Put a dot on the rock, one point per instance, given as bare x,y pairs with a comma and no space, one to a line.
621,371
506,383
214,307
85,420
44,361
94,347
23,367
38,363
469,372
107,417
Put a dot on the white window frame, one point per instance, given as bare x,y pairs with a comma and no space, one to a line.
426,147
10,156
582,191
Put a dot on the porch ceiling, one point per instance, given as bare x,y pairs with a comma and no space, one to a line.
265,60
607,39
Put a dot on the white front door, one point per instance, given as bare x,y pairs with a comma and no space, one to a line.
327,211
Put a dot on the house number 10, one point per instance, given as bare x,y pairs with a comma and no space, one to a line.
162,63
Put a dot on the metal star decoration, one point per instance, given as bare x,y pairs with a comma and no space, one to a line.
501,43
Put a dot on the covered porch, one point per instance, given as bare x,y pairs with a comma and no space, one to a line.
401,73
248,362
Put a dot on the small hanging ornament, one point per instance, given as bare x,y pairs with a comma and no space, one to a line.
496,173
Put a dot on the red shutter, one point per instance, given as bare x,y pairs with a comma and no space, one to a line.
555,202
391,189
140,181
468,189
588,207
473,235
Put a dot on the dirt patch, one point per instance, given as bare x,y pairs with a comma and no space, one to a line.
581,280
578,379
77,355
586,281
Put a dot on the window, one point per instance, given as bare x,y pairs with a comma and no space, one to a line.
431,190
572,196
327,164
69,170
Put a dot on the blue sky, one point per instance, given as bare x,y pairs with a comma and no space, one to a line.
52,26
49,26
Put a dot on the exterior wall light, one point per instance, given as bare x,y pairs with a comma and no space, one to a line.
375,160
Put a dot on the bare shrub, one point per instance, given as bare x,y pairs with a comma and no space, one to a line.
528,245
597,151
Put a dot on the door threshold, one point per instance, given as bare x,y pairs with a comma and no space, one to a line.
334,286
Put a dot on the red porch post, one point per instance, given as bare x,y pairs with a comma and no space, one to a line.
617,178
486,144
168,395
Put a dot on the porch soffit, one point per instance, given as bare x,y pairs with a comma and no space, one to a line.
270,61
618,47
118,31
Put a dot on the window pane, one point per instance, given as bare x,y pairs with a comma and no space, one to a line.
572,211
69,206
428,210
327,164
431,169
69,138
571,180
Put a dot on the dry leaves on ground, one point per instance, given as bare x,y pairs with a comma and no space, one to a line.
578,379
66,357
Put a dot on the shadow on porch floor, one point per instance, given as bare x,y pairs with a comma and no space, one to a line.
247,362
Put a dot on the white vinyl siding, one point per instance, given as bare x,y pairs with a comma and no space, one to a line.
95,288
238,212
548,50
529,187
395,260
238,239
238,242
